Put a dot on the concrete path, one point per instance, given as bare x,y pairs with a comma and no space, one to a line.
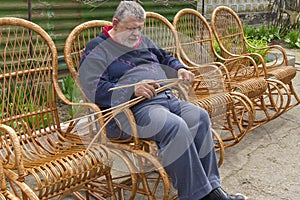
265,165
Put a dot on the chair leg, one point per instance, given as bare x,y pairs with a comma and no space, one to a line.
110,186
219,146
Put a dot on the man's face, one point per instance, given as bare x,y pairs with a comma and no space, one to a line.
129,31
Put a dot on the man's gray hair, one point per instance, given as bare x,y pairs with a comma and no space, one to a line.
129,8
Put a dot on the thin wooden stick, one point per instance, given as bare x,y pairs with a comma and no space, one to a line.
131,102
120,107
145,82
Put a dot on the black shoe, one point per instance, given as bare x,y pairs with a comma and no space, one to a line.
220,194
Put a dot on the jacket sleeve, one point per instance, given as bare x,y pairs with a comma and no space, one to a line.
94,78
96,83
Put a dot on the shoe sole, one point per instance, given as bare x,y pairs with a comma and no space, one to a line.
242,195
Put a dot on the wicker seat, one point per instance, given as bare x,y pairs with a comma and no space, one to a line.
273,63
197,46
39,153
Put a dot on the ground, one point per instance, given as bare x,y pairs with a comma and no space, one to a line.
63,111
265,164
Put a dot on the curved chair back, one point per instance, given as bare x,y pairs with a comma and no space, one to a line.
195,37
77,41
33,142
161,31
229,32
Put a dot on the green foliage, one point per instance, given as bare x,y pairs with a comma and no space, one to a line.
71,92
256,43
19,100
259,43
262,33
293,39
67,86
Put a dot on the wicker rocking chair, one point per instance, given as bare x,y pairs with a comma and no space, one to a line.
198,46
209,89
228,30
74,46
133,154
41,157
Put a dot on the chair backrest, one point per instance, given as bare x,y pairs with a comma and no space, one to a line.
28,67
161,31
195,37
228,30
77,41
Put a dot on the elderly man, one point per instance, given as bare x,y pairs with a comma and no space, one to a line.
121,55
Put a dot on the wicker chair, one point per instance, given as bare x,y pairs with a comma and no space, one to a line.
197,46
228,30
37,151
133,153
74,47
209,90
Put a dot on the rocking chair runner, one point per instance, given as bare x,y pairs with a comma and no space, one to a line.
40,158
228,30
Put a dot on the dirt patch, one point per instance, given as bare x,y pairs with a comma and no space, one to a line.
63,111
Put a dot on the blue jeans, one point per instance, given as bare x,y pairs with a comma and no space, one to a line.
182,133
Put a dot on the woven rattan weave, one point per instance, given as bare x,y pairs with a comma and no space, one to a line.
198,46
272,62
41,157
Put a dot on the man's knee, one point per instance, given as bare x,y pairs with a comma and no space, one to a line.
204,115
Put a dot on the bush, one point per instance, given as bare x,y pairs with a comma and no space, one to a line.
272,34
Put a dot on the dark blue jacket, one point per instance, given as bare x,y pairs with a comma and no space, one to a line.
106,64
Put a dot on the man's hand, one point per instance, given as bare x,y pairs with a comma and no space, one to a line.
146,90
186,75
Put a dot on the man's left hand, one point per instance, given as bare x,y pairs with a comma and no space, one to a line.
186,75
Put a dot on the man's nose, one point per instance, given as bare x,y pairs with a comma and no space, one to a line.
136,31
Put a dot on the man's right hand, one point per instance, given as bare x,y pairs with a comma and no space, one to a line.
146,90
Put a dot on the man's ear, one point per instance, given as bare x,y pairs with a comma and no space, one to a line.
115,23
